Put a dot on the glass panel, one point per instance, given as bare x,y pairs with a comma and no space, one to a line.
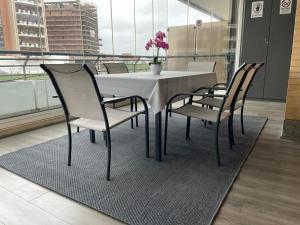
123,21
178,34
200,29
144,29
210,33
224,32
105,30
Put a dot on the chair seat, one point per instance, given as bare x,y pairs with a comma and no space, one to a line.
214,102
217,102
200,112
115,117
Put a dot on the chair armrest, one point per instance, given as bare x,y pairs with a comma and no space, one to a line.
120,99
220,84
116,100
191,95
212,88
204,94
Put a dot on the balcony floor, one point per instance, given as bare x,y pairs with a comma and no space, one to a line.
265,192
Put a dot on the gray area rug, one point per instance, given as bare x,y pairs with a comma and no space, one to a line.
186,188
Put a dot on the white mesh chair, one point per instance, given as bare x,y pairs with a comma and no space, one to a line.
84,106
216,116
202,66
116,68
240,101
112,68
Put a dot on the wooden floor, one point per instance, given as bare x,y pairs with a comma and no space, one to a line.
267,190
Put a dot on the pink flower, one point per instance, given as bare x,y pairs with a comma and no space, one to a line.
167,46
160,35
158,42
149,44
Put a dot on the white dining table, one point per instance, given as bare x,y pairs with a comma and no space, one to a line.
156,89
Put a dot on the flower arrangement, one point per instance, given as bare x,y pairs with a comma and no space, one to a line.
158,42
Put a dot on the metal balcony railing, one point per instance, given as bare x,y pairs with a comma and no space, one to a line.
25,88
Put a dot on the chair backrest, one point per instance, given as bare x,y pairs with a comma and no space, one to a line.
248,80
92,68
77,90
116,67
201,66
235,84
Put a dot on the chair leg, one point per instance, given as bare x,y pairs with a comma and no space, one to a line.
170,113
136,109
242,120
231,125
70,145
105,137
103,133
147,133
108,155
92,136
188,126
131,109
166,133
77,129
229,133
217,144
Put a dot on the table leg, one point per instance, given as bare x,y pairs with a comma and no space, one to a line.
92,136
158,136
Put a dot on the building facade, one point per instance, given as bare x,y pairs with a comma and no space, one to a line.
23,25
72,26
1,34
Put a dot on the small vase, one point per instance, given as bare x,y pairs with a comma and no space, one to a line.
155,69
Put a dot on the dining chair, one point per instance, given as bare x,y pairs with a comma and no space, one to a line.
241,98
213,115
112,68
85,107
105,96
208,66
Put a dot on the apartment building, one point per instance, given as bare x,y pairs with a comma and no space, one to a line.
23,25
72,26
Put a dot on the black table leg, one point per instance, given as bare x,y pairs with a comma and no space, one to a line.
92,136
158,136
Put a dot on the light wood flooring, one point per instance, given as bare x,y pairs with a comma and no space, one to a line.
267,191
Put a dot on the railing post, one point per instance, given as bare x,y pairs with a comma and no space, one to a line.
24,66
134,65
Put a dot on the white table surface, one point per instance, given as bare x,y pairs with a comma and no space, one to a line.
157,89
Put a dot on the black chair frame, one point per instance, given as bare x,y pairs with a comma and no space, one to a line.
133,101
230,118
103,106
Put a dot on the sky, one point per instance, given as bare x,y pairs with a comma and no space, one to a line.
167,13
